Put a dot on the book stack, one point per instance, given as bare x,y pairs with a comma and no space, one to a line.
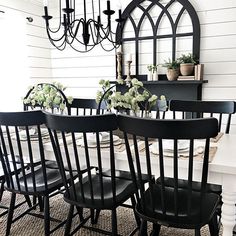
198,73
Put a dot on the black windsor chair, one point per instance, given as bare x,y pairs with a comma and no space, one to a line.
188,109
2,189
159,203
22,148
92,189
191,109
222,110
85,106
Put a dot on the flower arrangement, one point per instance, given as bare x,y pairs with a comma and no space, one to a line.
47,96
153,75
152,68
135,99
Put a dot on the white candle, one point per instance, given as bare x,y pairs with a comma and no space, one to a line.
129,57
119,49
118,5
45,3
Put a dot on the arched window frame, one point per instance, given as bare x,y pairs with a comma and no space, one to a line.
186,5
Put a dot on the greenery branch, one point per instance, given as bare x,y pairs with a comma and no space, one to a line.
135,99
47,96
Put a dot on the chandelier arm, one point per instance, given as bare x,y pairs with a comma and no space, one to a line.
85,14
54,39
107,50
99,9
82,51
73,19
89,45
74,35
59,26
59,47
95,42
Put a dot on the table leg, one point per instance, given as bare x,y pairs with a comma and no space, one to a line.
228,209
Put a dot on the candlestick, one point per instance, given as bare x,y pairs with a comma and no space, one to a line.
119,67
128,78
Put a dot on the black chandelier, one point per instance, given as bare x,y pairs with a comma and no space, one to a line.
84,33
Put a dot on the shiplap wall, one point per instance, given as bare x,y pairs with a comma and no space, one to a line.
218,52
81,72
26,51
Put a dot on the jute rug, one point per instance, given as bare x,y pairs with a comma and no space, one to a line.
32,226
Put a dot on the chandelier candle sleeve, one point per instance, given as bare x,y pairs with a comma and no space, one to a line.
108,5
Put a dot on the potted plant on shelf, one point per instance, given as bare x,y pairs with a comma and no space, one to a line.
172,69
135,99
187,62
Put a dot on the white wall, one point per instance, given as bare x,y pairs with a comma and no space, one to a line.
25,56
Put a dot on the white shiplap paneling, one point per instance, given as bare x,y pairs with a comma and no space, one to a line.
81,72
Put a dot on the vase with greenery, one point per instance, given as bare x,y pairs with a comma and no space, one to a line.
152,76
48,97
136,98
187,62
172,69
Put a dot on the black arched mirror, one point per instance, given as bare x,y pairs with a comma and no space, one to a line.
154,31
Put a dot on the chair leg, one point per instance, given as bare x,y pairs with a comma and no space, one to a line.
138,221
80,212
1,190
69,221
34,201
143,228
155,230
114,223
40,199
97,213
10,213
213,226
197,232
46,216
27,198
92,216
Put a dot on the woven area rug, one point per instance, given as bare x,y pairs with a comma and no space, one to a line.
29,225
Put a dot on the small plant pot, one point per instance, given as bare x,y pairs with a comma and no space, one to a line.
186,69
172,74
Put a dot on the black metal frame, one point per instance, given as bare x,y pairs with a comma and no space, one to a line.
174,25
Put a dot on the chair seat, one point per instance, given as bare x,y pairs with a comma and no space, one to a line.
198,214
124,188
124,175
54,182
210,188
51,164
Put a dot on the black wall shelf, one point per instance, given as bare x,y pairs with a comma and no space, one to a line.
183,90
